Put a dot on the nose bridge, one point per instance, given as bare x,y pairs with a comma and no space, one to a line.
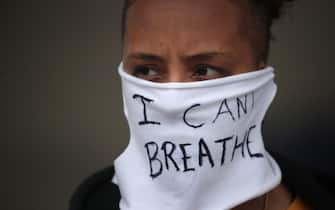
177,71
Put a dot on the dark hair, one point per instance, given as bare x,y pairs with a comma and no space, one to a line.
267,12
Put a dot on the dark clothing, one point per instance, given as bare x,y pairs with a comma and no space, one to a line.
97,192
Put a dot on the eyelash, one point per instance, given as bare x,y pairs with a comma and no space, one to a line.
219,70
138,71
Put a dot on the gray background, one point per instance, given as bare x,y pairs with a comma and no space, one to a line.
61,106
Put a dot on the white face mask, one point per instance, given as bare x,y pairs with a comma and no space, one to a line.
195,145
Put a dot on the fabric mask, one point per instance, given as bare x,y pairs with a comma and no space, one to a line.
195,145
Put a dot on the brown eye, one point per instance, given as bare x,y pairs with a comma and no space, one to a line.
205,72
146,72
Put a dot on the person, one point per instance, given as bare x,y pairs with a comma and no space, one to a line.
193,71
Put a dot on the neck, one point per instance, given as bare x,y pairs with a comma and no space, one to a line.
277,199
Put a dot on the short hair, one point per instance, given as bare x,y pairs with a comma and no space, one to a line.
266,11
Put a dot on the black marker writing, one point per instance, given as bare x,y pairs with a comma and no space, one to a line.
238,146
168,155
204,152
185,157
242,106
163,155
143,100
252,155
186,122
220,112
152,158
223,141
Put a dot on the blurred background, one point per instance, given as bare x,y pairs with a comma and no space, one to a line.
61,112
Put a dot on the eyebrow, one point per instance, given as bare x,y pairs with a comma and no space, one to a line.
146,56
197,56
205,55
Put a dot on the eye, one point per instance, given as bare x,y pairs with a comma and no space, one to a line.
146,72
206,72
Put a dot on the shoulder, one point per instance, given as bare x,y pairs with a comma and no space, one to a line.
96,192
298,204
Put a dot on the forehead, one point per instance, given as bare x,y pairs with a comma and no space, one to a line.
186,23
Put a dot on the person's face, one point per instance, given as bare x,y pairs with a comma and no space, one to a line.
189,40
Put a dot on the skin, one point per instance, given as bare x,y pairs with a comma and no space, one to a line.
190,40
